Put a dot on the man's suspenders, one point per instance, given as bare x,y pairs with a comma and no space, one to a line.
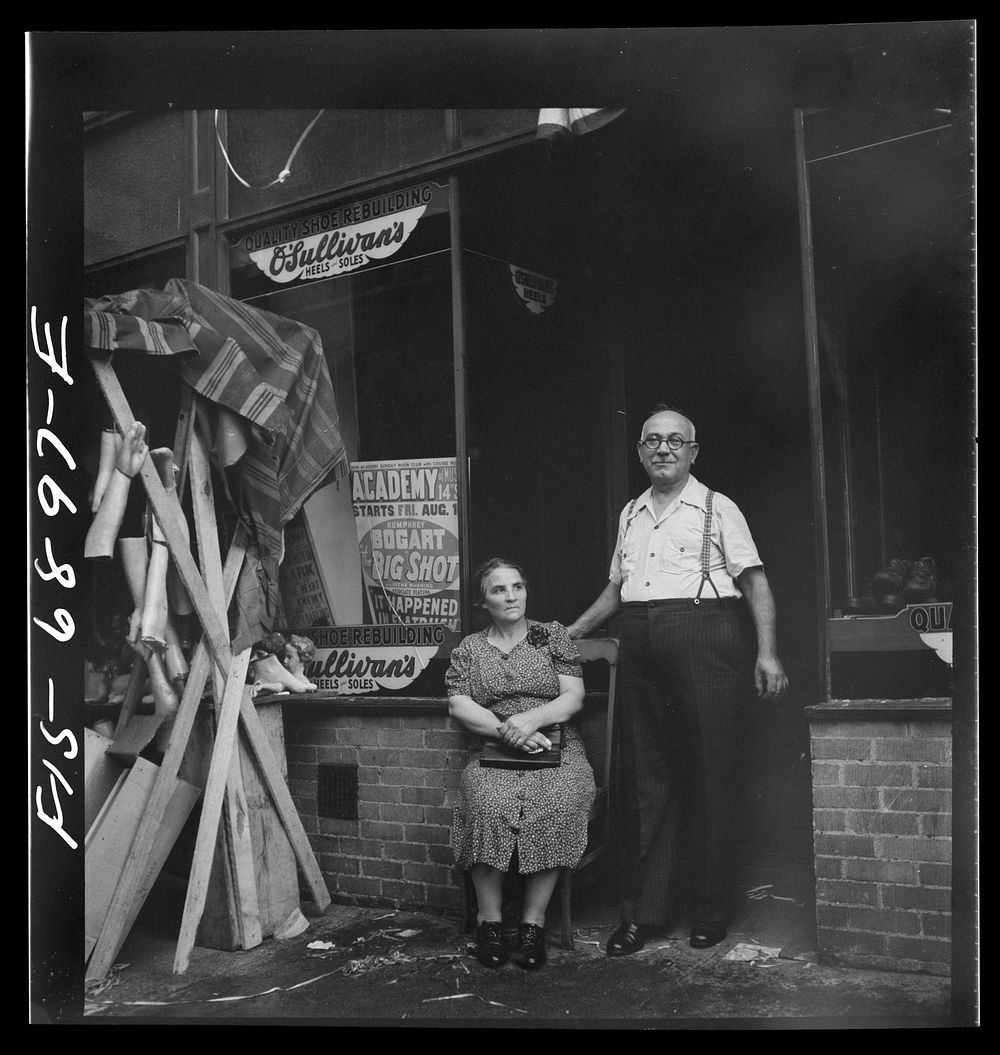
706,543
706,550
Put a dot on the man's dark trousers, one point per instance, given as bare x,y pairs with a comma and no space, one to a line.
685,674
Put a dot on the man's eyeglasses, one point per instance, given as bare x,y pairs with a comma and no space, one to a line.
675,443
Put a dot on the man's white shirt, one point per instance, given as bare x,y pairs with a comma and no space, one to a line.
660,557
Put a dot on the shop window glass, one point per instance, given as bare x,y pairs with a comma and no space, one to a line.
341,148
488,126
129,202
379,549
890,214
147,272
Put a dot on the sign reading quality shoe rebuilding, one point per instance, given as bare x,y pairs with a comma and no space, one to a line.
339,240
360,659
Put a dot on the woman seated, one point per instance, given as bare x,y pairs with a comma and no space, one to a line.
507,683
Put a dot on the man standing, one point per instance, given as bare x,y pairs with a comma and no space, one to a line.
684,572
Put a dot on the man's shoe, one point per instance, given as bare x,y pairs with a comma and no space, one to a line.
705,935
490,949
628,938
531,947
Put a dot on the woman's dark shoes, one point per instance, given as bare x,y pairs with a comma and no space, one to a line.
705,935
531,947
490,949
628,938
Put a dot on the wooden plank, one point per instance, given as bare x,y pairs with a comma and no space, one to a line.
238,868
133,882
274,857
133,885
182,435
283,802
109,843
275,869
133,693
129,743
100,774
219,927
211,808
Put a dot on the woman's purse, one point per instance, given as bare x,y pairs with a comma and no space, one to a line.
496,755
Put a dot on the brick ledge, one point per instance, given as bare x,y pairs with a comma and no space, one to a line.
934,708
298,701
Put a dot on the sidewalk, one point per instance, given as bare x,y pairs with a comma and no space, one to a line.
379,967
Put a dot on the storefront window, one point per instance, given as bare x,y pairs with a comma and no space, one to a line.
147,272
487,126
889,215
377,545
130,202
332,149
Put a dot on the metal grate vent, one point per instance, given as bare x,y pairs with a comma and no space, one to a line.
337,792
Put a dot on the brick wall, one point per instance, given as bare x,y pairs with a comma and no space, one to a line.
409,757
882,832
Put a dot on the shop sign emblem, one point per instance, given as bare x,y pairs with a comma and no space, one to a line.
340,240
536,292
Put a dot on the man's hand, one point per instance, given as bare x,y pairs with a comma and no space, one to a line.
770,678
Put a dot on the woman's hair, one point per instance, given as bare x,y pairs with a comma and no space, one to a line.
485,569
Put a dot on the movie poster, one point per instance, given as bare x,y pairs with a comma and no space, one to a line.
406,514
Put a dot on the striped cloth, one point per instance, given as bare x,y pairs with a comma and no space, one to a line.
269,371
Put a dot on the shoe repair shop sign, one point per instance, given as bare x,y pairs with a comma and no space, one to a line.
536,292
406,514
339,240
359,659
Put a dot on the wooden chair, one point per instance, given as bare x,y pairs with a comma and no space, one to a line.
592,650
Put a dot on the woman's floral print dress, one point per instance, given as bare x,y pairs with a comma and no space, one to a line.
542,812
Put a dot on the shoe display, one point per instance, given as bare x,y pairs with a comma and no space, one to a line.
922,583
887,585
861,606
705,935
531,947
490,948
628,938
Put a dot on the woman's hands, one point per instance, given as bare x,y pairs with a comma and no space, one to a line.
520,731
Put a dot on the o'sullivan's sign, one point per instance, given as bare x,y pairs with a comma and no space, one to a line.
361,659
339,240
406,514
